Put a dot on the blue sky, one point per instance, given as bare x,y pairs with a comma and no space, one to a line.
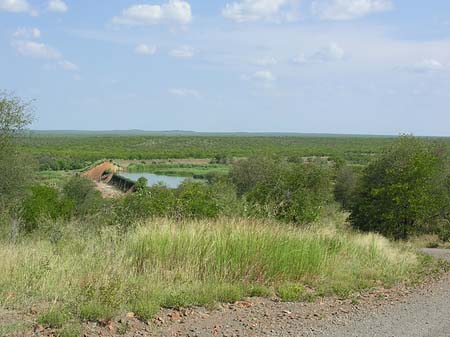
320,66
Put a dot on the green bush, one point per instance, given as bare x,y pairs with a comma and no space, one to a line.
80,193
293,192
155,201
196,200
245,174
42,202
344,188
405,190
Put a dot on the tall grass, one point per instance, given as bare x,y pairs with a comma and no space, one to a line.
164,263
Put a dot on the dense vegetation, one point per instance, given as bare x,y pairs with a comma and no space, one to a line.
87,274
405,191
266,221
72,151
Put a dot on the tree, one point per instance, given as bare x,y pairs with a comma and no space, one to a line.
15,116
404,190
289,191
344,188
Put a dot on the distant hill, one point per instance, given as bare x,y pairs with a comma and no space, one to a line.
189,133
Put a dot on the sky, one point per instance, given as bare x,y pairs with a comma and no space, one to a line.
308,66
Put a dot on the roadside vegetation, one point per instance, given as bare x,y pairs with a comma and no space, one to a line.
264,225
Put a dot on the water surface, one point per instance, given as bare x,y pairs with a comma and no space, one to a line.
154,179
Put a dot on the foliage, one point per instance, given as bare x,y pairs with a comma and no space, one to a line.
42,202
293,192
196,200
16,167
345,185
155,201
246,174
169,263
141,185
404,190
81,195
68,151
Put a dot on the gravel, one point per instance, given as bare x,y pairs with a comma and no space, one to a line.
425,314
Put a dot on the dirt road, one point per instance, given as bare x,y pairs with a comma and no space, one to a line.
425,314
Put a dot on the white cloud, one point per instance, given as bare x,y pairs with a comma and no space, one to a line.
145,49
349,9
27,33
266,61
36,50
175,11
183,92
16,6
331,53
265,75
67,65
42,51
256,10
428,65
182,52
57,6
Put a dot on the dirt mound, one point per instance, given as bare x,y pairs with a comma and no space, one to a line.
98,172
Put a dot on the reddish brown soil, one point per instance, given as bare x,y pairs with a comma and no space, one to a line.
98,171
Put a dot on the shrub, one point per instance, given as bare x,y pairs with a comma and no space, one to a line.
293,192
344,188
42,202
245,174
404,190
196,200
155,201
80,193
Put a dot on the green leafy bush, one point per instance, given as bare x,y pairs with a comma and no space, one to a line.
293,192
196,200
345,185
80,193
405,190
42,202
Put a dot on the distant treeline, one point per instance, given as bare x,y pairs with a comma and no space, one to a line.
72,151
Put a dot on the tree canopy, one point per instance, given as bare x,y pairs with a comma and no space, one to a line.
15,116
404,190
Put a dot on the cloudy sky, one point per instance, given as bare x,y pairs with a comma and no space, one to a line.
319,66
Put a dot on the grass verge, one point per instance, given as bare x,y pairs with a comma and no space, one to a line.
95,275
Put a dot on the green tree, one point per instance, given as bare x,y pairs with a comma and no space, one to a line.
197,200
245,174
404,190
17,168
344,188
289,191
293,192
41,203
82,197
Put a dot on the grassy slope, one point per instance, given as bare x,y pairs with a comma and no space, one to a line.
91,276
